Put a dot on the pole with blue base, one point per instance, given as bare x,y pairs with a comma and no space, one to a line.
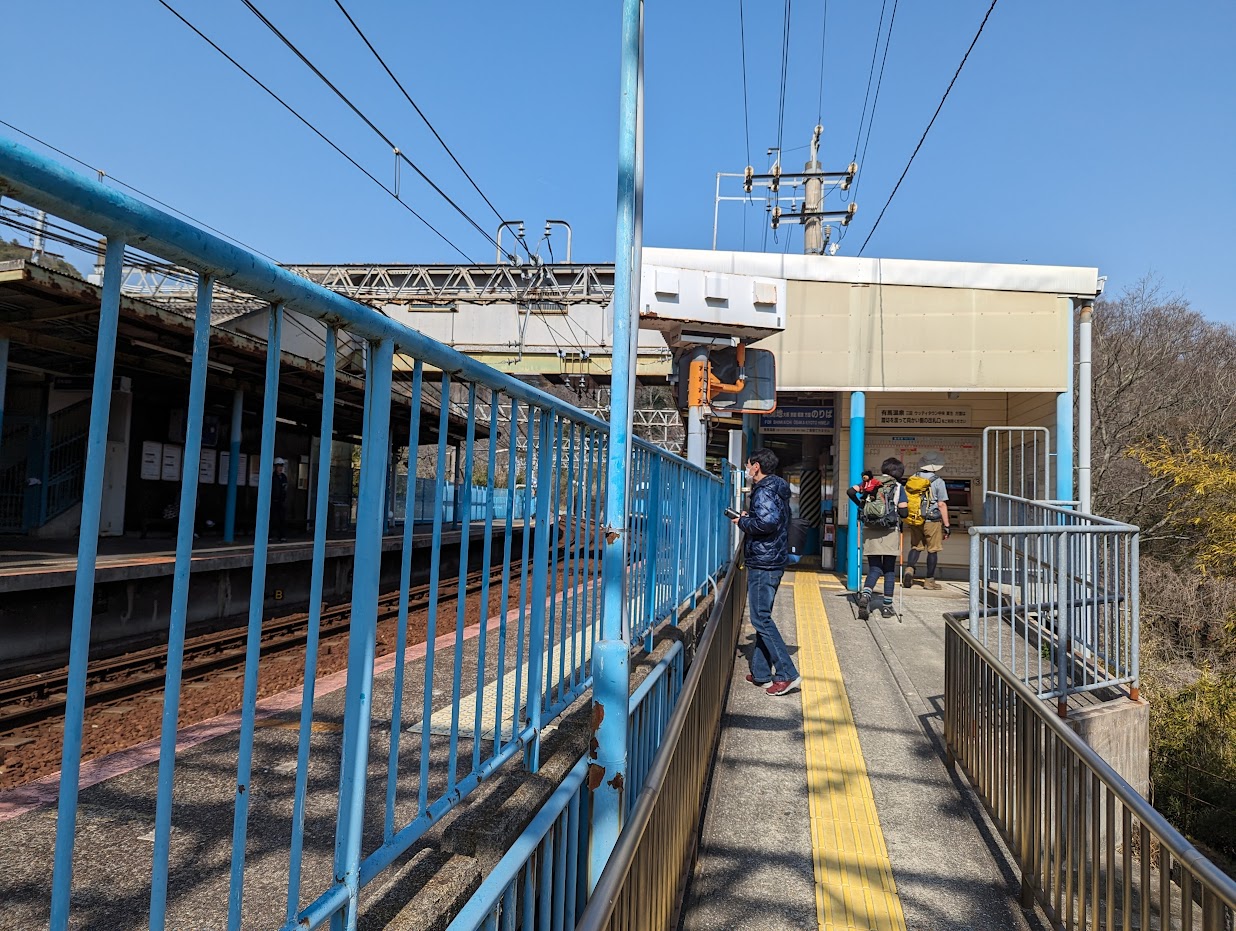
611,663
858,430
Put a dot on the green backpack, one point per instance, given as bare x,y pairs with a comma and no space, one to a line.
879,510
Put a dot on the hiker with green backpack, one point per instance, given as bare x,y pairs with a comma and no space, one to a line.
927,518
881,505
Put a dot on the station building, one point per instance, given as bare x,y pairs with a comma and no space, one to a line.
904,357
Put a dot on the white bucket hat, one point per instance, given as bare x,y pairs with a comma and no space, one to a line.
931,462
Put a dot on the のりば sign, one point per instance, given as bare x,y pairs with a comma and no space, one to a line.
798,420
901,416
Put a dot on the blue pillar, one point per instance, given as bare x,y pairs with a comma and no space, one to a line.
1064,432
233,468
858,436
611,655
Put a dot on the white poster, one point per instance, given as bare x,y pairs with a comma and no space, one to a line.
206,467
255,471
152,460
225,458
898,415
171,462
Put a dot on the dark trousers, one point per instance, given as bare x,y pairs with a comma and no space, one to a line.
770,658
278,522
882,566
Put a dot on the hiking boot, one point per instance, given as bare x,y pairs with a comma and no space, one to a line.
932,585
777,689
887,611
907,579
864,605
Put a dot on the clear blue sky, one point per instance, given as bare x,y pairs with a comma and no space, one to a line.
1094,133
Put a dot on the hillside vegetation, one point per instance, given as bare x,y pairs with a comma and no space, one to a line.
1165,459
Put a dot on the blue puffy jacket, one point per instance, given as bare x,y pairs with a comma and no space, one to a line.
767,525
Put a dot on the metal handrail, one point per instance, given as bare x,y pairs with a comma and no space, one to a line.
994,728
32,179
613,881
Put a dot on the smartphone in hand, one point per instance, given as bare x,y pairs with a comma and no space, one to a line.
732,514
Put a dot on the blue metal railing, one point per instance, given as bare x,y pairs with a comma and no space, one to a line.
516,663
66,459
542,877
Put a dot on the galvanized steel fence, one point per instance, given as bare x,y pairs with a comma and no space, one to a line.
642,884
517,663
1091,851
1054,595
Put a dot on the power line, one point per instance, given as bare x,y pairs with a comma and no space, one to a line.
742,41
154,200
366,120
875,48
947,90
875,103
785,62
823,42
418,110
321,135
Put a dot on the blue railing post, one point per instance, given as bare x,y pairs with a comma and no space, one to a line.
233,467
257,596
611,682
83,591
537,641
652,524
362,629
180,603
320,517
858,439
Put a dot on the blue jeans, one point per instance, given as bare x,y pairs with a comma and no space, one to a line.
769,651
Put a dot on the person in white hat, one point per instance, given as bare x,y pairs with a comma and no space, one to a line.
279,500
927,518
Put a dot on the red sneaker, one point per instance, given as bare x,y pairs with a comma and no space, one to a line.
777,689
750,678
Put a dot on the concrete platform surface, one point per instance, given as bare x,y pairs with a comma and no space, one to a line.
835,809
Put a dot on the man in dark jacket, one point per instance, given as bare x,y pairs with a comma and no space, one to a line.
765,551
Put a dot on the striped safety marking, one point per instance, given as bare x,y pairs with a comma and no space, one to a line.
854,887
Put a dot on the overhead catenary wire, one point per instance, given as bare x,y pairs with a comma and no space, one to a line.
321,135
403,156
385,67
931,123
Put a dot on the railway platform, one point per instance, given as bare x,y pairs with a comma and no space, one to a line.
134,578
835,808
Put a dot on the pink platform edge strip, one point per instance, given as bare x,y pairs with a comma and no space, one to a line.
44,792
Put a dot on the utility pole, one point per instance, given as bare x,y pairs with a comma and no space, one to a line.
812,179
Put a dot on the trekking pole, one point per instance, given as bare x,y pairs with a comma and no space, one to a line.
901,589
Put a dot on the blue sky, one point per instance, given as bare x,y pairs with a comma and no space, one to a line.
1088,133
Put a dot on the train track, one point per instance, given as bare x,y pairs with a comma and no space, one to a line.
30,700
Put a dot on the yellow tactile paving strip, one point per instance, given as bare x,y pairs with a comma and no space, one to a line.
854,887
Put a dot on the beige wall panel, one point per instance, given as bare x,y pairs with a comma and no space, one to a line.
843,336
1032,410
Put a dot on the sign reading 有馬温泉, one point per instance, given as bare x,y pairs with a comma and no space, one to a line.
901,416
